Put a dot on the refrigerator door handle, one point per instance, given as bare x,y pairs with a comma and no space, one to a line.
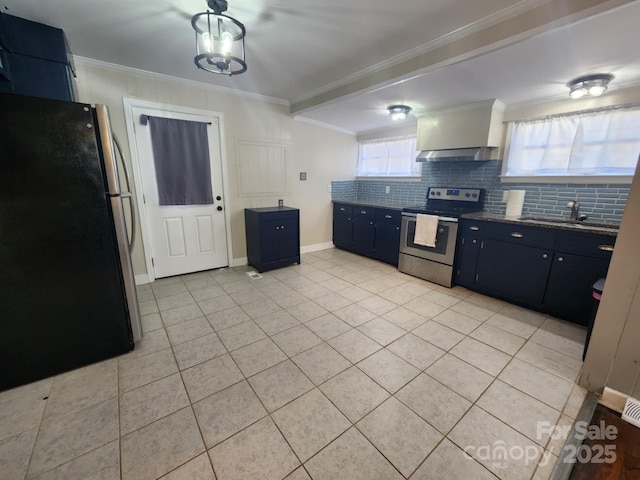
128,195
128,276
108,151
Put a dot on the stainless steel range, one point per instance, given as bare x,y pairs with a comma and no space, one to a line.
436,263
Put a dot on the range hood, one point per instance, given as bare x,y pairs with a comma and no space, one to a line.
476,154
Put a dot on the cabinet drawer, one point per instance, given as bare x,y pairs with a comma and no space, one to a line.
384,215
472,227
534,237
342,209
364,212
597,246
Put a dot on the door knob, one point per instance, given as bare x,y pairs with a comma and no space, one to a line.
219,208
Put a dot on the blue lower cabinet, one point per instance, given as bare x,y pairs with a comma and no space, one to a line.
569,290
387,236
370,231
273,237
548,270
364,233
518,272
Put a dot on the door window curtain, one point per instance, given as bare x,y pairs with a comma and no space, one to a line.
181,159
591,143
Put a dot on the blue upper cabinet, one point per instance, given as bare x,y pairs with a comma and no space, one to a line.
36,60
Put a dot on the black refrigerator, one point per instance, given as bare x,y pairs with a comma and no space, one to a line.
67,289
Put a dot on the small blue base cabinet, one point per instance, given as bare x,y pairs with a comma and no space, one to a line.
273,237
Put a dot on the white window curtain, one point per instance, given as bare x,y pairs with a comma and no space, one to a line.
394,157
594,143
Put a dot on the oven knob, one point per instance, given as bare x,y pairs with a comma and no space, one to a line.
438,193
432,193
474,195
466,195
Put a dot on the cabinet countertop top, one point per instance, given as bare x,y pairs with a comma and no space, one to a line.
273,209
363,203
550,223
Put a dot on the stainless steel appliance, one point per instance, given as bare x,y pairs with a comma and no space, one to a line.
436,263
68,294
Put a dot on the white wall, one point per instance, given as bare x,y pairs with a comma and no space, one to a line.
323,154
613,357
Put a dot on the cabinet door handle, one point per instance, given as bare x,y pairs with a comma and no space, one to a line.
561,259
363,212
282,227
388,216
277,228
474,228
342,209
544,255
370,223
606,248
474,241
517,235
397,228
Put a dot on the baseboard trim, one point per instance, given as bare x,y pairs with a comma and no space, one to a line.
239,262
316,247
613,399
142,279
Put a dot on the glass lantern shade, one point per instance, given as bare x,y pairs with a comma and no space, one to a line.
219,43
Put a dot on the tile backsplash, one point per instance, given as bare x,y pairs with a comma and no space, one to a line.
604,202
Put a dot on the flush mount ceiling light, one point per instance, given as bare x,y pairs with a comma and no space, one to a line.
219,40
398,112
592,85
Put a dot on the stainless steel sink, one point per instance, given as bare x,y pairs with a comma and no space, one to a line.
570,223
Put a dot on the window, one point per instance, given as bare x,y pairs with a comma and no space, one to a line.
389,157
596,143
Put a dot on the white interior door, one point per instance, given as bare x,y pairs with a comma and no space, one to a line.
184,238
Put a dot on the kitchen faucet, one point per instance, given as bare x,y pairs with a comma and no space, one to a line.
575,207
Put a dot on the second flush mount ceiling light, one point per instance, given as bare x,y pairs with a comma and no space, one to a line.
398,112
589,85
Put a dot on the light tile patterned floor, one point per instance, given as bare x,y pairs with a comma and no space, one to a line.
340,367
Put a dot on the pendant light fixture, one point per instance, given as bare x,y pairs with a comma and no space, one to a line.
399,112
589,85
219,40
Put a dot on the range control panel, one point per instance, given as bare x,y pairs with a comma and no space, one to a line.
458,194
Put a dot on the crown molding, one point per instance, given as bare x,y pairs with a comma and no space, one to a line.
91,62
477,26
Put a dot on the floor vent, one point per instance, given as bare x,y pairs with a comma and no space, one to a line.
254,275
631,411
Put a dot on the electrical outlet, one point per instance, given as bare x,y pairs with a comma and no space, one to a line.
303,176
387,189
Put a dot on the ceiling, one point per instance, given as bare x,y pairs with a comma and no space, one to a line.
342,62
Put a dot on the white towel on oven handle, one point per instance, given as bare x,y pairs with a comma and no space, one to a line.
426,230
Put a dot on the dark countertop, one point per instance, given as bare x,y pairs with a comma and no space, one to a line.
390,206
585,227
272,209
